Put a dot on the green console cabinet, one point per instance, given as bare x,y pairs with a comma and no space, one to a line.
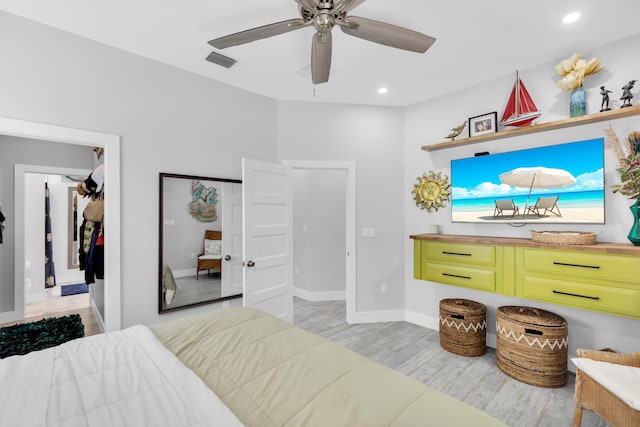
604,282
478,266
604,277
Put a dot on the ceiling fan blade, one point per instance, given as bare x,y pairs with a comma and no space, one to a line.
348,5
258,33
308,4
321,57
386,34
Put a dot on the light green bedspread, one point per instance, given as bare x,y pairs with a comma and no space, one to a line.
270,373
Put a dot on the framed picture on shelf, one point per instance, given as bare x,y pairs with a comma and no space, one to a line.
483,124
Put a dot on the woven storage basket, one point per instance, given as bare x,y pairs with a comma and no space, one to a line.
532,345
463,327
564,237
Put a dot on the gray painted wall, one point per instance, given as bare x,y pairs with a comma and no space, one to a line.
371,137
169,121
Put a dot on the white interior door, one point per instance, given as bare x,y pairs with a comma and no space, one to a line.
232,238
268,237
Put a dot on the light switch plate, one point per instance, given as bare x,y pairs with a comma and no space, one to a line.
368,232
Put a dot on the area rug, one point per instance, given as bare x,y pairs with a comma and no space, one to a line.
78,288
27,337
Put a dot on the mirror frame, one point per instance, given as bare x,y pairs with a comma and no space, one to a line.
162,176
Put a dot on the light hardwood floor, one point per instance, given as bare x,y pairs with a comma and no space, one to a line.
58,306
416,352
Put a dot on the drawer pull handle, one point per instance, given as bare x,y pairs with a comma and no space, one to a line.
455,275
576,295
455,253
532,331
576,265
458,316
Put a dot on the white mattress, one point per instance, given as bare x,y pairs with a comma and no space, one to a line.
123,378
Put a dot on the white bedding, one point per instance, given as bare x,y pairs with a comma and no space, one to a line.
124,378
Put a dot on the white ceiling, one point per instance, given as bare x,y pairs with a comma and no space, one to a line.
476,41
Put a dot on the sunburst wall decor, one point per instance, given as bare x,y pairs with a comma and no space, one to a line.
431,191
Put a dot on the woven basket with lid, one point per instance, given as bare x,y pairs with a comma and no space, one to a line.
532,345
463,327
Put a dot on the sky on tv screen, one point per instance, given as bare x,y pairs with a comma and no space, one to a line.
476,185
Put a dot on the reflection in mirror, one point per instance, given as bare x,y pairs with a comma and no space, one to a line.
200,258
76,207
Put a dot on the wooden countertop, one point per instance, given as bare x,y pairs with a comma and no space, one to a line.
604,247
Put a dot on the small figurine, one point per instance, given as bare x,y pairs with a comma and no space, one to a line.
456,131
626,94
605,99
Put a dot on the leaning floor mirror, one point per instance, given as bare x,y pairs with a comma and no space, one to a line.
200,257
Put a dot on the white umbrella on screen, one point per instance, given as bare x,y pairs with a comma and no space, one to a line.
537,177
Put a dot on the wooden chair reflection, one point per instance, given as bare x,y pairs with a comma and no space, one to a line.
211,256
505,205
546,204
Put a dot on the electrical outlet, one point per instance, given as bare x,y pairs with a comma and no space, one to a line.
193,255
383,288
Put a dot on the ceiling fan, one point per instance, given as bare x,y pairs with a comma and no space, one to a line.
323,15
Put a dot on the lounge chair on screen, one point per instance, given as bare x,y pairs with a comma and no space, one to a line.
505,205
544,205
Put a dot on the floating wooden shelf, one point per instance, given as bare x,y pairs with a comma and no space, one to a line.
559,124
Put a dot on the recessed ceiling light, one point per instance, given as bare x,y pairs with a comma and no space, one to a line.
571,17
383,90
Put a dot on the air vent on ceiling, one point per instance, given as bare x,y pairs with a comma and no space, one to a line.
221,60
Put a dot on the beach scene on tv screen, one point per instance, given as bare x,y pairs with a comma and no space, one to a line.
561,183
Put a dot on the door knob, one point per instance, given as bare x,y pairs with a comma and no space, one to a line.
227,258
251,264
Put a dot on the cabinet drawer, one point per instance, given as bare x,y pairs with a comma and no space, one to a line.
462,276
609,299
618,268
461,253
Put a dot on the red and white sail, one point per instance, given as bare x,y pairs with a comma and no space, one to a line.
520,109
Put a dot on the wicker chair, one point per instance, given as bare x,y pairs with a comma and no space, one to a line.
591,395
209,261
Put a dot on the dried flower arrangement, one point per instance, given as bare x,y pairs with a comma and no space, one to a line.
629,162
574,69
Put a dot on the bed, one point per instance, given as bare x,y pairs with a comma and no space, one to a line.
237,366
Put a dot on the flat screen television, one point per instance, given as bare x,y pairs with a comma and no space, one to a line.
558,184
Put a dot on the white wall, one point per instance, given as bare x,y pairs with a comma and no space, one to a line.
428,123
169,121
319,222
371,137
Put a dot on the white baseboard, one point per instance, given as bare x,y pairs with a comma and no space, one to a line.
319,296
97,315
423,320
184,273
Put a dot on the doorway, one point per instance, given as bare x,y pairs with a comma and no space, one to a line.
57,134
324,235
64,291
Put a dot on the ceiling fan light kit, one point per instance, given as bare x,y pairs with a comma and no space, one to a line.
323,16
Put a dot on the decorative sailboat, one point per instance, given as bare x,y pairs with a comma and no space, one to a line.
520,109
